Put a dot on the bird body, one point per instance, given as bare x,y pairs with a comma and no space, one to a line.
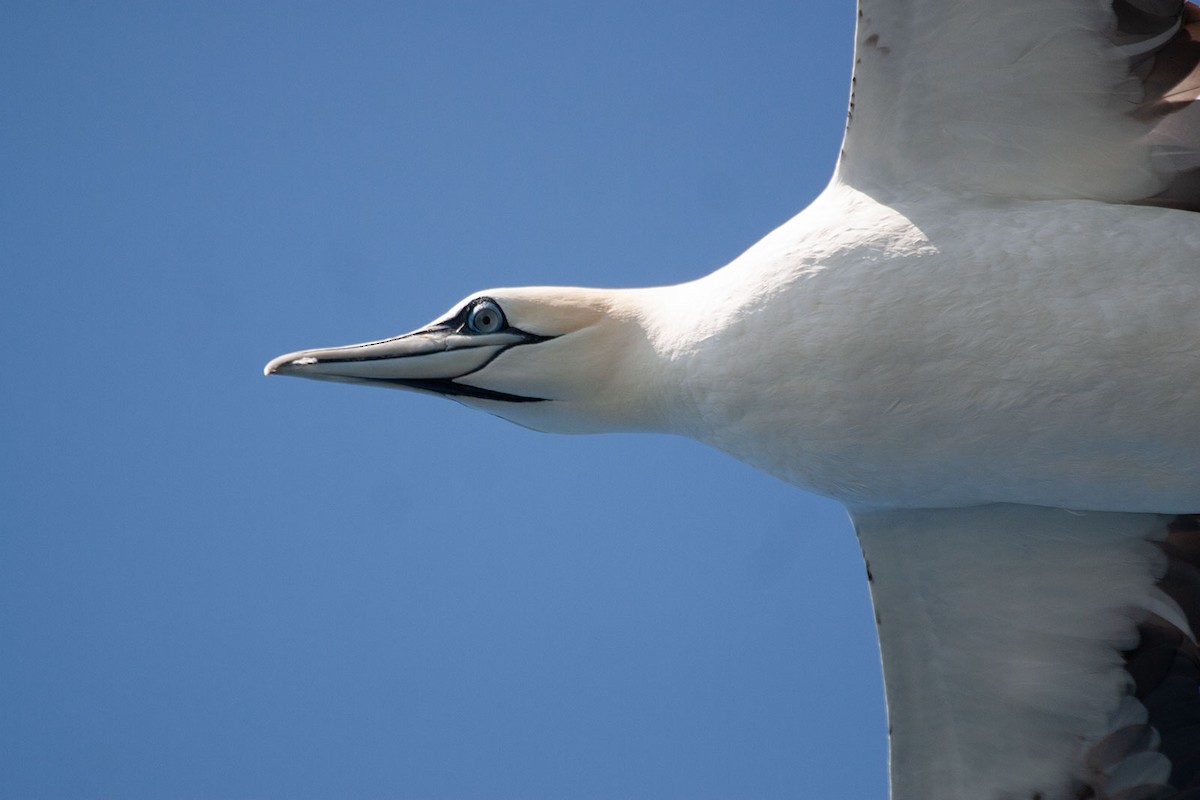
886,360
983,338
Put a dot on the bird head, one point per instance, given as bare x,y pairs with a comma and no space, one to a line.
553,359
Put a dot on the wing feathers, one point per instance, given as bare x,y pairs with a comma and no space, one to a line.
1172,88
1144,25
1029,99
1037,653
1166,663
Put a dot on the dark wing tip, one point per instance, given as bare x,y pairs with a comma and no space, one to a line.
1165,669
1170,76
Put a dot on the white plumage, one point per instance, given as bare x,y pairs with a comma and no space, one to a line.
984,339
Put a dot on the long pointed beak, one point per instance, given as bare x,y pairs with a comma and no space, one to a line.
427,360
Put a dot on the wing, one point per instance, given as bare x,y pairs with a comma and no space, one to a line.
1027,98
1038,654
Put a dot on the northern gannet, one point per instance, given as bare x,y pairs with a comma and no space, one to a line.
983,338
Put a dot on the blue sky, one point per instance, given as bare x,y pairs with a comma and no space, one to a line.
214,585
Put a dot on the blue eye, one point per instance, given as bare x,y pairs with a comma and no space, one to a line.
485,317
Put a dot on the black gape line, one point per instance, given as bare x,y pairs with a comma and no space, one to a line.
447,387
459,323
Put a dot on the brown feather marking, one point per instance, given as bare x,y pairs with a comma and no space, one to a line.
1165,665
1174,79
1143,793
1145,19
1171,81
1120,743
1165,668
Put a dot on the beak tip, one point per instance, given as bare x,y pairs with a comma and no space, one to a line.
286,364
